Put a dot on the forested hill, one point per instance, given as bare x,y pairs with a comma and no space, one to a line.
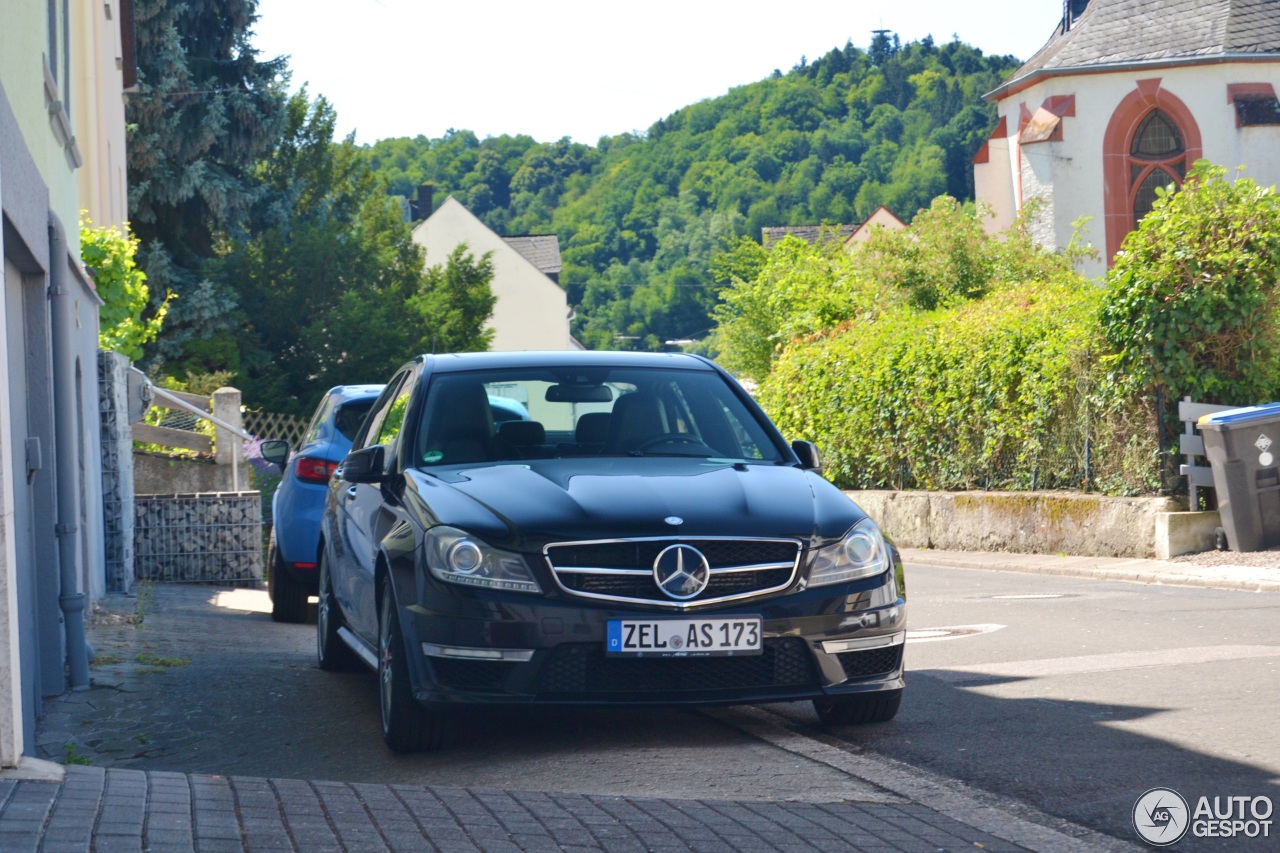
640,215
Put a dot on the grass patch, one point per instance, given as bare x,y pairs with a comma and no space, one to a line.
73,755
146,598
163,663
106,660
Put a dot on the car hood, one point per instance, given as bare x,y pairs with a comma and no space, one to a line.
525,505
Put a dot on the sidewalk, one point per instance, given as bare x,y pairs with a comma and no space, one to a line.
1252,572
117,810
132,799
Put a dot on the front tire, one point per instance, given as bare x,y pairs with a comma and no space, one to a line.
858,710
407,726
332,653
288,595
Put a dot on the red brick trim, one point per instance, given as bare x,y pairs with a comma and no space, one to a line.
1116,143
1063,106
1000,132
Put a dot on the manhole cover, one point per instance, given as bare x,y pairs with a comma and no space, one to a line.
952,632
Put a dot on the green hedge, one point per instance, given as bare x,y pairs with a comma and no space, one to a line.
990,394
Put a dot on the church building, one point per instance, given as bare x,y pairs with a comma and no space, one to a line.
1123,98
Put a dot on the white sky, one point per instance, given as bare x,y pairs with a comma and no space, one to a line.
586,69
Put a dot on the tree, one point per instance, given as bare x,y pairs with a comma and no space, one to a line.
943,260
455,302
827,142
1192,306
331,286
108,253
206,110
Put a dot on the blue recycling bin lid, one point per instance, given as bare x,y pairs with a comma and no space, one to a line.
1240,417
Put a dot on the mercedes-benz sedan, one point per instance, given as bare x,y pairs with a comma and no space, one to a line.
645,536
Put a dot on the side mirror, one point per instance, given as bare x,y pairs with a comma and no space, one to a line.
275,451
810,459
367,465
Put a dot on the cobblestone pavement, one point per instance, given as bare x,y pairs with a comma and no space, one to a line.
130,810
164,753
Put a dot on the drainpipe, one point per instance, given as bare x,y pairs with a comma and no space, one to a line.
66,438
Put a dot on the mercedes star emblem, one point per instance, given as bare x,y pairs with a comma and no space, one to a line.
682,572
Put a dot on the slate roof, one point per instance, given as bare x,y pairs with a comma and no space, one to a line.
809,233
1112,32
541,250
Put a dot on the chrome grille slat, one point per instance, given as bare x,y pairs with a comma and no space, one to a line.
620,571
759,567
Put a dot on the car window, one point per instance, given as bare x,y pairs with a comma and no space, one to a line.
350,416
393,421
381,408
312,434
598,411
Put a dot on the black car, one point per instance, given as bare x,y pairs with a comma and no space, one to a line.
645,537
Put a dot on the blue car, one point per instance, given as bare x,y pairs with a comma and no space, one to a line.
299,500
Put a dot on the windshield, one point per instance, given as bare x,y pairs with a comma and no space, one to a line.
587,412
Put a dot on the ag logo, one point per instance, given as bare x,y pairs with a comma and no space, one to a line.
1161,817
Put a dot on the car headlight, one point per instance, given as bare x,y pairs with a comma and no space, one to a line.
862,553
457,557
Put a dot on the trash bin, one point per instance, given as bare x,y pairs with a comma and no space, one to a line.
1239,444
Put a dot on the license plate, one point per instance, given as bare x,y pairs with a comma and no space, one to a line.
684,637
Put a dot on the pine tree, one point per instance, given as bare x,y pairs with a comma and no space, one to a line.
206,110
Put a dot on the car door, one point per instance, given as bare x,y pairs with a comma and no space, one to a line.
366,512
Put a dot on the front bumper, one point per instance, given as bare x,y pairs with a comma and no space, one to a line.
492,648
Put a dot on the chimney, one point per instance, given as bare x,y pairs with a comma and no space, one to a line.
422,207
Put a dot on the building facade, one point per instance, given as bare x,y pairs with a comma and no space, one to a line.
531,311
61,70
1121,100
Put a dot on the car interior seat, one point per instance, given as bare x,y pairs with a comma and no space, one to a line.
522,439
460,424
637,417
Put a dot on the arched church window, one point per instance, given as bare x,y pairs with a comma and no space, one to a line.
1157,158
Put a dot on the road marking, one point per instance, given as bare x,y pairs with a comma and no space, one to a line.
953,632
902,781
1031,596
1049,667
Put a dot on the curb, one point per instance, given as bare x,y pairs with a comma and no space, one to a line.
1159,572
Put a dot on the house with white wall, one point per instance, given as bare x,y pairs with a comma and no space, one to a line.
62,71
1121,100
531,311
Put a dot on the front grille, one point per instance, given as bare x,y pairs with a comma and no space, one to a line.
471,674
871,662
622,570
585,669
643,587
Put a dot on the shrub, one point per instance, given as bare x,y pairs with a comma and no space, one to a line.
108,253
989,394
1191,305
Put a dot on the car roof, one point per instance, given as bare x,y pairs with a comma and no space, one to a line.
457,362
347,393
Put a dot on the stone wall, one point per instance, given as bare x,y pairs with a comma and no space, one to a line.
159,474
1023,522
214,537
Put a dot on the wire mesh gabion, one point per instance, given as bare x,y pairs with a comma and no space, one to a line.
213,537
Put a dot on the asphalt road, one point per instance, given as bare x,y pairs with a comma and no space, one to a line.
1055,697
1090,693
